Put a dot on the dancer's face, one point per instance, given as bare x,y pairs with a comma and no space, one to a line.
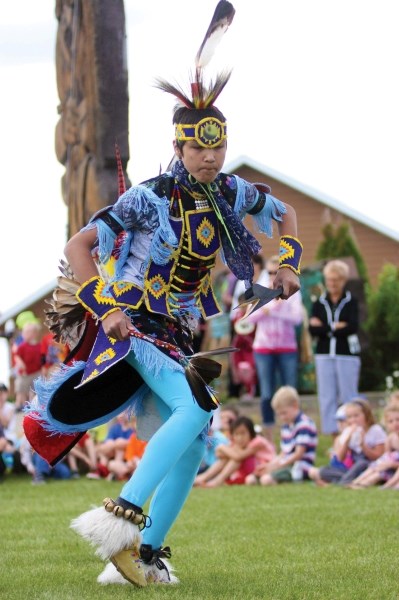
204,164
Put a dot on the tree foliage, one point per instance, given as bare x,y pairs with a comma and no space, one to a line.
382,327
338,242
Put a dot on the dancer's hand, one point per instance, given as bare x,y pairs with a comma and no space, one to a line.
288,280
118,325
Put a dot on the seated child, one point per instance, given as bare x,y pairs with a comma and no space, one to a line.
298,442
383,469
84,453
239,458
219,433
314,473
362,438
113,446
122,468
5,446
43,471
393,482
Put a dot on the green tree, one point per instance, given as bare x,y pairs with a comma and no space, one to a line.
382,327
338,242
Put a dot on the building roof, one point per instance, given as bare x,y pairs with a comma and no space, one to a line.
43,292
239,162
246,161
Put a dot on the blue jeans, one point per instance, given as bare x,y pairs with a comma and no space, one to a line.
268,366
59,471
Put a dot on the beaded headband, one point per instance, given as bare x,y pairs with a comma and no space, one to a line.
208,133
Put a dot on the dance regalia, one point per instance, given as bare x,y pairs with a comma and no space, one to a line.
159,242
156,248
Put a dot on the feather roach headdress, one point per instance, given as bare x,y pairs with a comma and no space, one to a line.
208,131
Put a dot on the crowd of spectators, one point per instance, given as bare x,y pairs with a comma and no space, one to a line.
110,452
242,450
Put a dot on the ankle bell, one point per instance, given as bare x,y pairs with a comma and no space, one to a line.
135,515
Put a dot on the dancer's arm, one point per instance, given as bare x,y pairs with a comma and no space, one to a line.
78,254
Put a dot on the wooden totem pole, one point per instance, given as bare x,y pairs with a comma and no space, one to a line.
92,81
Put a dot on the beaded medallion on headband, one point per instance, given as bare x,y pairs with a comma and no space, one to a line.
210,131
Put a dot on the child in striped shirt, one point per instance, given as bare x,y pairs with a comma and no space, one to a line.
298,441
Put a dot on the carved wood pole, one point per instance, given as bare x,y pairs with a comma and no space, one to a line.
92,81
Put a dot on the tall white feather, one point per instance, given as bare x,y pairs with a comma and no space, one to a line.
222,18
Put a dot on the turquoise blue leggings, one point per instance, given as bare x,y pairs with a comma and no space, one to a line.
172,456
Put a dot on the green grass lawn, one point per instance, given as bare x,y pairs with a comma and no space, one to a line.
292,542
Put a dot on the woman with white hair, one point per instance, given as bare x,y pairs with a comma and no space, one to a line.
334,322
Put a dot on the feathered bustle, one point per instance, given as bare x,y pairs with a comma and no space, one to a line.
66,317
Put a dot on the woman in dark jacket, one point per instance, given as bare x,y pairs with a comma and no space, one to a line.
334,322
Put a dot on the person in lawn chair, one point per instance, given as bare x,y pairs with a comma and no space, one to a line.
162,238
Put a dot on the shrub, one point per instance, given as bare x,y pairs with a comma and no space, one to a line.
338,242
382,327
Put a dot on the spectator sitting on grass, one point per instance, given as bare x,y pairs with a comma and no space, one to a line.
393,482
239,458
344,463
219,433
43,471
224,418
7,415
40,470
5,447
84,455
298,442
385,467
121,468
363,439
113,446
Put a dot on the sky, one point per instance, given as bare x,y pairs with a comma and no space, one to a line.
313,95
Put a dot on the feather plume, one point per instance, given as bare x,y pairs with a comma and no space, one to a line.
203,394
220,22
214,352
207,368
203,96
215,89
175,90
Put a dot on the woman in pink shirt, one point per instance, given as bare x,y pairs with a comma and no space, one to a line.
275,346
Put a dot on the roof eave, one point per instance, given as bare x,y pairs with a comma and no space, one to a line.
246,161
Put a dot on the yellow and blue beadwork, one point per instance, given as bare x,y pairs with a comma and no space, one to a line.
208,132
104,356
156,286
205,232
96,298
290,253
